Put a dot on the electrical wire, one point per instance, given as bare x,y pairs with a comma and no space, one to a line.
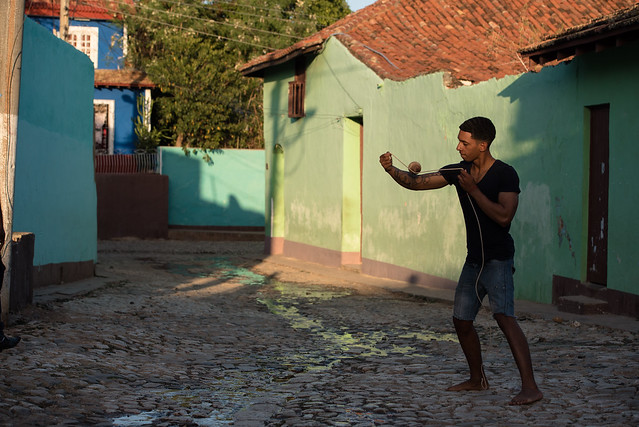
369,48
135,16
232,3
191,30
208,21
8,192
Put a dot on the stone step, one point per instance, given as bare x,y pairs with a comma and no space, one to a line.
579,304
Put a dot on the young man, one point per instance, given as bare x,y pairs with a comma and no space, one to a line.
488,191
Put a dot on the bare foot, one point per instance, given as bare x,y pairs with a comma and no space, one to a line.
468,386
526,397
472,385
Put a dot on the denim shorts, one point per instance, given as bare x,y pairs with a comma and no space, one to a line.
496,281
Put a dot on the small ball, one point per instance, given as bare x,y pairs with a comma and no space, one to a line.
415,167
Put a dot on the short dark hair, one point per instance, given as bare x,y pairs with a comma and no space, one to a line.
479,128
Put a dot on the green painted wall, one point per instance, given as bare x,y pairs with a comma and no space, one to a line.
226,189
55,195
313,149
541,131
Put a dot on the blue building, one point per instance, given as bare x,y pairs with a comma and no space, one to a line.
93,30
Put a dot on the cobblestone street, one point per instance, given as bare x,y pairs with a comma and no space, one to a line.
173,333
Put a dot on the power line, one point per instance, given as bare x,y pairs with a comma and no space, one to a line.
233,3
213,21
187,29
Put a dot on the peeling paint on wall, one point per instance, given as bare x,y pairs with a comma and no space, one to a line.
317,215
562,231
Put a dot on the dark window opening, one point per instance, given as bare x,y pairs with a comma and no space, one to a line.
297,89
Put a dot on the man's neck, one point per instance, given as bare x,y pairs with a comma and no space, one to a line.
481,164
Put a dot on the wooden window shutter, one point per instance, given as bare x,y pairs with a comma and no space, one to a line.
297,89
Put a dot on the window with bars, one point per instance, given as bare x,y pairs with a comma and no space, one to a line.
296,99
297,90
85,39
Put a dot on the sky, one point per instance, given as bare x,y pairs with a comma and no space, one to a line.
358,4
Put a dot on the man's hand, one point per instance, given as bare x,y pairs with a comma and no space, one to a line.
386,160
467,182
501,212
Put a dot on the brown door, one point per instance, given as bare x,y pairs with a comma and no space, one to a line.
598,196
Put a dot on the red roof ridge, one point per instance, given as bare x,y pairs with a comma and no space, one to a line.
104,10
473,40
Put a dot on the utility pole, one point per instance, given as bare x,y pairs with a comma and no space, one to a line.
64,19
11,25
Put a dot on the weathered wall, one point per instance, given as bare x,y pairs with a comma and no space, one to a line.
55,196
227,189
541,122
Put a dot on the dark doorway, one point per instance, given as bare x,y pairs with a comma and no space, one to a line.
598,195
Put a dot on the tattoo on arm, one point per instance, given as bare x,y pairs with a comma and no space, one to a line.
411,181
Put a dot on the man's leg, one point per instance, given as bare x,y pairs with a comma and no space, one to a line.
466,306
469,341
519,347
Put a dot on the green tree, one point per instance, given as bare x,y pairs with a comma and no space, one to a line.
191,48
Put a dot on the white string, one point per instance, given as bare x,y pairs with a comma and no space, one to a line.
425,172
483,262
481,241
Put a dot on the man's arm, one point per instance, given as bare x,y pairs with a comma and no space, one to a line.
409,180
501,212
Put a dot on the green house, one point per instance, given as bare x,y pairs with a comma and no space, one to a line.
400,77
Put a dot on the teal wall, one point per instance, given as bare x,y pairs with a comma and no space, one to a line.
55,195
540,131
227,189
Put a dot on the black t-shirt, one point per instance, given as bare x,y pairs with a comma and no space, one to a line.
497,241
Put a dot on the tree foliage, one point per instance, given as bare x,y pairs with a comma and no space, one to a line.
191,48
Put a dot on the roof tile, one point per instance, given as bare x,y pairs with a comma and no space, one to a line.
474,39
132,79
78,9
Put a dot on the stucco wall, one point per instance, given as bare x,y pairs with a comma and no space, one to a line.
110,54
227,189
541,122
55,195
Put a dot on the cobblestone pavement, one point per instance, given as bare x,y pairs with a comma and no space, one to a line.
181,334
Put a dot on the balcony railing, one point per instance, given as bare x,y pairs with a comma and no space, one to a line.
128,163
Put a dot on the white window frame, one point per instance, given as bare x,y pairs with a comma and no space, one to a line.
110,103
92,35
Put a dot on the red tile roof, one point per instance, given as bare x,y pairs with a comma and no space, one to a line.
473,40
132,79
613,30
78,9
